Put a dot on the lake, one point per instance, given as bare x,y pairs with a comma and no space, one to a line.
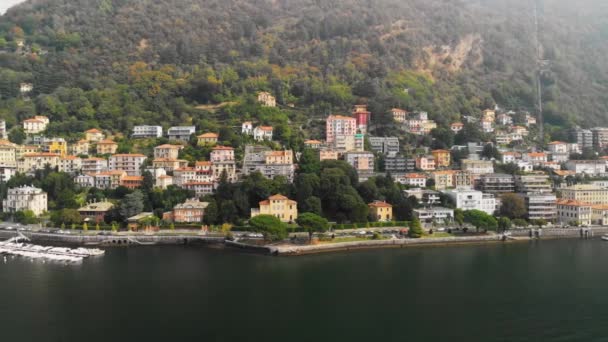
537,291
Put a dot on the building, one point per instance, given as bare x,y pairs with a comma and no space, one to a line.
313,144
7,172
434,214
504,119
381,211
412,179
94,165
534,183
399,115
520,130
463,180
363,117
489,115
496,183
109,179
443,179
94,135
586,193
70,164
599,215
169,164
207,139
167,151
600,137
425,163
583,137
181,133
247,128
25,198
384,145
328,154
163,182
262,133
37,161
279,206
8,153
222,160
541,207
574,212
80,148
147,132
396,164
35,125
55,145
473,200
191,211
456,127
487,126
349,142
337,125
477,167
535,158
132,182
587,167
95,212
200,188
443,158
3,131
266,99
363,162
106,147
130,163
269,163
510,157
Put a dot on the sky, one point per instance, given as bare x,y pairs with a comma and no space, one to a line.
6,4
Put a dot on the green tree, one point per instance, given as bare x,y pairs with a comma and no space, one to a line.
271,227
540,222
415,230
85,227
520,223
132,204
480,219
312,223
504,224
459,217
513,206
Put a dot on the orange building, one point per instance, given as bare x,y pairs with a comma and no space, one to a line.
443,158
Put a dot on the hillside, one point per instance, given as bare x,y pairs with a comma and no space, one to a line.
116,63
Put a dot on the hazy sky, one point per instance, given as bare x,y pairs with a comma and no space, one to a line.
5,4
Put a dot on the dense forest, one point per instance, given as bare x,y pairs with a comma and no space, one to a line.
117,63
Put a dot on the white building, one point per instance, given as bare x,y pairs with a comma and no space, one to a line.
35,125
7,172
25,198
247,128
94,165
434,214
478,167
412,179
588,167
570,212
130,163
147,131
181,133
473,200
70,164
261,133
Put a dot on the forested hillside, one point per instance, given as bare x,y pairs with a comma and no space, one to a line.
117,63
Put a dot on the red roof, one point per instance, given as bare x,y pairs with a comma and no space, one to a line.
380,205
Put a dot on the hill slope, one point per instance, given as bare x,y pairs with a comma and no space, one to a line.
116,63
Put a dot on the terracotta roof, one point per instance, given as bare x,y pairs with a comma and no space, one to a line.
398,110
310,142
93,130
82,141
159,160
198,183
133,155
133,178
70,158
537,154
168,146
266,202
226,148
414,175
265,128
557,143
457,124
33,121
44,154
277,197
203,163
440,151
107,142
208,135
600,207
380,205
573,203
340,117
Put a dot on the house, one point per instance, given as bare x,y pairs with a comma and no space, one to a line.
25,198
456,127
504,119
24,88
523,131
247,128
80,148
95,212
574,212
266,99
8,153
363,162
169,164
191,211
558,147
94,135
339,125
535,158
328,154
426,163
181,133
269,163
349,143
132,182
473,200
412,179
143,220
262,133
588,167
530,120
37,161
399,115
35,125
207,139
313,144
362,117
70,164
106,147
488,115
163,182
443,179
109,179
279,206
55,145
510,157
477,167
200,188
223,162
434,214
443,158
385,145
94,165
147,132
130,163
381,211
3,131
599,215
7,172
167,151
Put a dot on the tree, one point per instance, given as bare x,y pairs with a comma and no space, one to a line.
415,230
504,224
520,223
312,223
132,204
480,219
85,227
272,228
65,216
513,206
26,217
540,222
459,217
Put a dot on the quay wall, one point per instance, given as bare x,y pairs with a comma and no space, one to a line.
81,239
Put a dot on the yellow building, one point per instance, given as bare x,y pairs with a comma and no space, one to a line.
279,206
80,147
107,147
207,139
444,179
58,146
586,193
443,158
94,135
37,161
8,153
382,211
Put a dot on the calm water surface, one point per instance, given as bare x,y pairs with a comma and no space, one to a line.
543,291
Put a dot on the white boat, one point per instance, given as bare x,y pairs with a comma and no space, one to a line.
605,237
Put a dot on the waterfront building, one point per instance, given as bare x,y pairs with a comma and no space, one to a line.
279,206
96,211
541,206
145,131
586,193
181,133
473,200
381,211
191,211
599,214
25,198
574,212
434,214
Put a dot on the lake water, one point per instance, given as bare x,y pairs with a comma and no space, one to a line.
539,291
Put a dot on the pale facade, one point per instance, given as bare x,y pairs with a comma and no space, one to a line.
279,206
25,198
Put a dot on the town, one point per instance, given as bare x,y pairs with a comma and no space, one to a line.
489,171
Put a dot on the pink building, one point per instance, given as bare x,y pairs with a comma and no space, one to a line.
222,154
340,125
425,163
363,117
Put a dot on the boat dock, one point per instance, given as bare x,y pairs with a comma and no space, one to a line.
19,246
